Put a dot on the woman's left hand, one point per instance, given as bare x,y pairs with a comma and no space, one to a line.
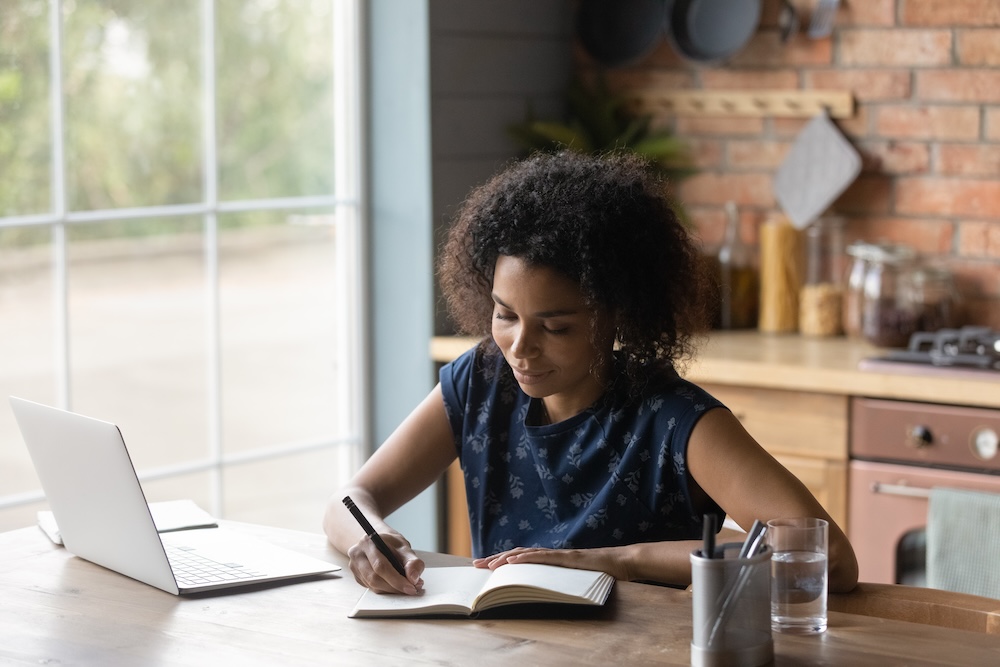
607,559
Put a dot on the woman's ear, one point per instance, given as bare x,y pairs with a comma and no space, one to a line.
614,318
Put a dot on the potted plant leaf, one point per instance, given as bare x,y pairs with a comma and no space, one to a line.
598,121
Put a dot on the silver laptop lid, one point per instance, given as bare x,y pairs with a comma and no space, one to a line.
93,491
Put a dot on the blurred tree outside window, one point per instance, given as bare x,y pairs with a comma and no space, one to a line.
174,237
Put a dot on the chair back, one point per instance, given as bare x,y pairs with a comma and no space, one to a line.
929,606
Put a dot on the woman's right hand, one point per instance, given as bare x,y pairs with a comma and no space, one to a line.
410,460
373,570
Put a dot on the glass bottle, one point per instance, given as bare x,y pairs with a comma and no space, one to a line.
739,282
889,315
859,252
821,296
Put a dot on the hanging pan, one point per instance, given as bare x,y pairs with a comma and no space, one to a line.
619,32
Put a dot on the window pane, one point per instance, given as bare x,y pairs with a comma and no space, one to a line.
132,103
138,334
227,372
275,83
25,139
253,492
21,515
278,330
26,355
194,486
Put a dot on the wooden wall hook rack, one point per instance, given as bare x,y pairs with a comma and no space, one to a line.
780,103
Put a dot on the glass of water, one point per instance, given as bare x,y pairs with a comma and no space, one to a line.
798,574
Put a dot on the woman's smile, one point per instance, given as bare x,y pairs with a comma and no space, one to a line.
525,377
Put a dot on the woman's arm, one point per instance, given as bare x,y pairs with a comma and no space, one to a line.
662,562
748,483
410,460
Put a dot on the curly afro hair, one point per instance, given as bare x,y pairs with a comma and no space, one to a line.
606,223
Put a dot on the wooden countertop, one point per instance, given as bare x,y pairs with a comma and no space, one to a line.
801,363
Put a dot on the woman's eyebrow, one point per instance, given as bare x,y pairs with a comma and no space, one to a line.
560,312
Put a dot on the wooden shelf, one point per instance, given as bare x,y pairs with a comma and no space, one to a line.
779,103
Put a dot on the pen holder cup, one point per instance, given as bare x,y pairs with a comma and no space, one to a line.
731,608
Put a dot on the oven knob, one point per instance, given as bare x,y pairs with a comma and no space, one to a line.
985,443
920,437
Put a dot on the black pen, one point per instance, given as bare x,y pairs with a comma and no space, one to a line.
376,538
708,536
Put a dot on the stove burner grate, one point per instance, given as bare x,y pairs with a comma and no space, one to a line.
970,346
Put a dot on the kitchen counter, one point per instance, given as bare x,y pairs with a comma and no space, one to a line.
822,365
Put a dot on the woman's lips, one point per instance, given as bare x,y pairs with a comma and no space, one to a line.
529,377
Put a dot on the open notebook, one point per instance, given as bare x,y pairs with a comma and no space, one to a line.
103,517
466,591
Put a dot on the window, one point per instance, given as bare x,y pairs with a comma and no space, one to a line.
180,247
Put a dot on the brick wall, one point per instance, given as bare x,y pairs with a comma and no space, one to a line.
925,75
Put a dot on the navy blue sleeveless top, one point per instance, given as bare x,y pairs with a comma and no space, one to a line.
612,475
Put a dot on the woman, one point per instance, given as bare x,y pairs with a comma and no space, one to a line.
580,444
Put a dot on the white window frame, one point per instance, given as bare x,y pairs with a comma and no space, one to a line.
349,213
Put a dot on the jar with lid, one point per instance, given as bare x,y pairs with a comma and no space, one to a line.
889,313
935,299
821,296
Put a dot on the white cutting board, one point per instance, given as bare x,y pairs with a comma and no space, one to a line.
818,168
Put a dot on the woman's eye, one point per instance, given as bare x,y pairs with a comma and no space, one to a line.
557,330
502,316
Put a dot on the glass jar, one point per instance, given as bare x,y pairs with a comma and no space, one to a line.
935,298
858,252
821,296
780,275
888,314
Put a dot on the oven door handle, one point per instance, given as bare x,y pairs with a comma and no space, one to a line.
900,490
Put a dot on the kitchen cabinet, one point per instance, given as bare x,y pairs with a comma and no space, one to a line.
792,393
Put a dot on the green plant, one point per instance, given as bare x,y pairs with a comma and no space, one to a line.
598,121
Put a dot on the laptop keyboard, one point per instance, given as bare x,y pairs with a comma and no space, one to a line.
192,569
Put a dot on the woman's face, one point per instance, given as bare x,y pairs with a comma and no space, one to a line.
543,327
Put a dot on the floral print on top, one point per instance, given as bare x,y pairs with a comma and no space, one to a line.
614,474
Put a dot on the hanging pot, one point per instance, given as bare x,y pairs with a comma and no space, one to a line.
711,30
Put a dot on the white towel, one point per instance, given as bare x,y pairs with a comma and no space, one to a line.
963,541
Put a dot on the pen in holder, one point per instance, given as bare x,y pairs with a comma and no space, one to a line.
731,607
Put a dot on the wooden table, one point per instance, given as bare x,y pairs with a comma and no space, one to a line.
58,609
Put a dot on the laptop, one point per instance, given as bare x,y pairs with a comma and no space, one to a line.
102,514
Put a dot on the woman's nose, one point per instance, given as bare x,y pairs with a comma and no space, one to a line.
524,344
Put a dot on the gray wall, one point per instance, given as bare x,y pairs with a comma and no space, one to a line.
447,77
489,62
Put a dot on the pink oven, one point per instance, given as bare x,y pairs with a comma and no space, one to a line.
901,450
